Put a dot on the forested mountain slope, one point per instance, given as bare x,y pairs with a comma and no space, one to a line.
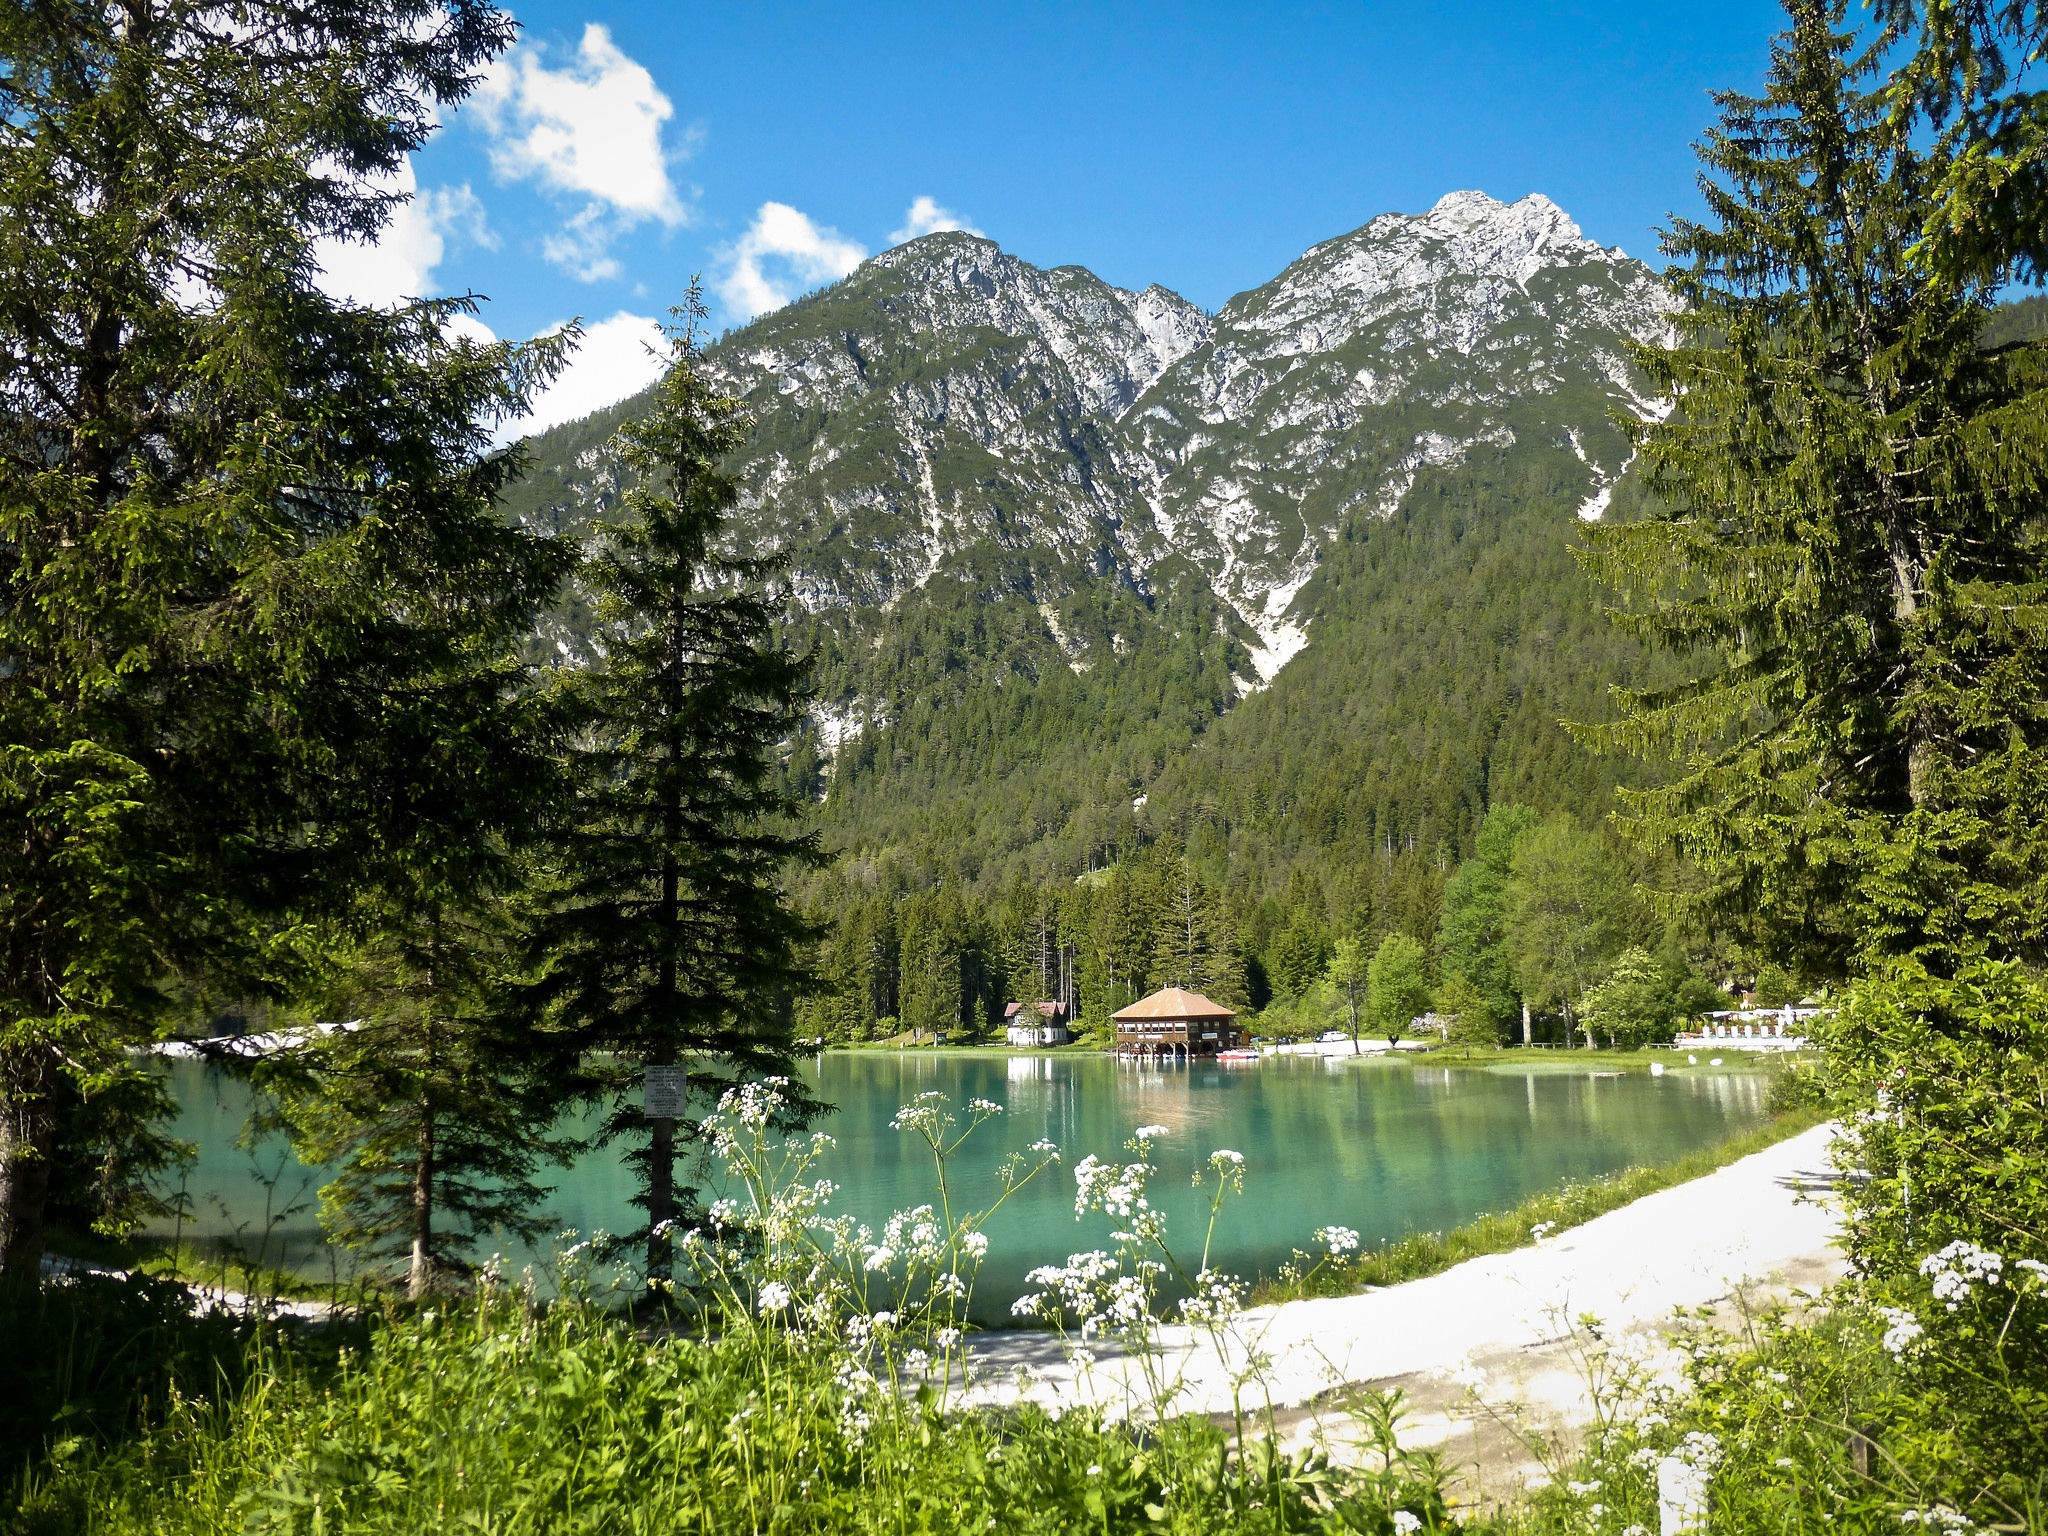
1079,564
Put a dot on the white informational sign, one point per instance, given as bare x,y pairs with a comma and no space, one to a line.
664,1091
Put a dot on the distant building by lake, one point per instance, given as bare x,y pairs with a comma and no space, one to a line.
1036,1024
1174,1022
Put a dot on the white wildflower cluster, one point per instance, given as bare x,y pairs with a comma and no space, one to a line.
1939,1518
1682,1479
1218,1298
751,1106
1959,1268
974,1245
1074,1280
1406,1523
1902,1330
1145,1135
1338,1240
915,1236
985,1106
1093,1286
926,1115
1699,1449
1541,1230
1044,1148
1226,1165
858,1389
1108,1187
775,1296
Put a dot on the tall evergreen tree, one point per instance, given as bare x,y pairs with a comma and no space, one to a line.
1967,76
1192,945
1851,554
670,941
221,492
1850,547
932,960
429,1100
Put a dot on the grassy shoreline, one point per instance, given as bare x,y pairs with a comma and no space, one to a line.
1421,1254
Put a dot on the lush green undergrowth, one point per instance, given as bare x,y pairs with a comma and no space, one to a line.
1429,1253
1854,1417
498,1416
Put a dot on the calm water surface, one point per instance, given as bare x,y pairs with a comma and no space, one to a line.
1384,1148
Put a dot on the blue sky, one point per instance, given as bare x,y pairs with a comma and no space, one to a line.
620,148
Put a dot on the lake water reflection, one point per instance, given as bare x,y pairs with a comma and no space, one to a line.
1386,1148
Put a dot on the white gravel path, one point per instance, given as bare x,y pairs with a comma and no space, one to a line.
1493,1329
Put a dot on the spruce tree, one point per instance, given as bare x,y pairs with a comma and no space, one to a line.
669,941
221,494
430,1098
1192,945
1850,555
1849,551
1965,78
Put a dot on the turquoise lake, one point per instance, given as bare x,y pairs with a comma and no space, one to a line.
1385,1148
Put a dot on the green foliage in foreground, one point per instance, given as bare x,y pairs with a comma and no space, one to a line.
511,1419
1431,1253
91,1360
1839,1421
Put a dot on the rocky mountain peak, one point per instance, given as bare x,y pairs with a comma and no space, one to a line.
952,408
1517,239
1114,342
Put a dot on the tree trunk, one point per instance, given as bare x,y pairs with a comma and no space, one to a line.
421,1278
27,1129
1526,1036
661,1149
661,1187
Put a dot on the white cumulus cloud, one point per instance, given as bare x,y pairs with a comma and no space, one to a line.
399,264
782,254
926,217
612,363
591,130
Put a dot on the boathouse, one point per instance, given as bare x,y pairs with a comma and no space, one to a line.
1174,1023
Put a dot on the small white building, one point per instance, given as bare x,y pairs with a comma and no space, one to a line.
1754,1029
1030,1025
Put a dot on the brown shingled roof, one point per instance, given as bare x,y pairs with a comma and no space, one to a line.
1174,1003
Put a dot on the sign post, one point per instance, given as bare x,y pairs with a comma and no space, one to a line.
664,1091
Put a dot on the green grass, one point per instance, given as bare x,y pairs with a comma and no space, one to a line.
496,1416
1420,1254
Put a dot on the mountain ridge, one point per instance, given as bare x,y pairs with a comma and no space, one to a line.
948,395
